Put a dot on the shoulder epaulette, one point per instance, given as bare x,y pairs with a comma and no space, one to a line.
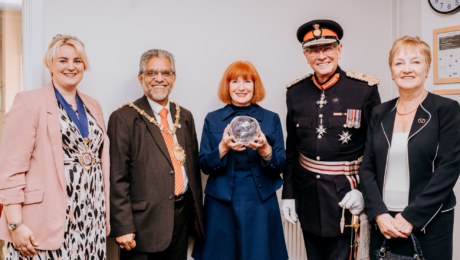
298,80
370,79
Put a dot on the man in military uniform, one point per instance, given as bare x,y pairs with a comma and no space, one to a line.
327,118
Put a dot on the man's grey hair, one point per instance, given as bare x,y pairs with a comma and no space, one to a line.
156,53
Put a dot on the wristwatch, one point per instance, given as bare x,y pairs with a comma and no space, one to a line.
13,226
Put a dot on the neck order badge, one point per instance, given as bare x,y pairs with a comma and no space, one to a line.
322,101
86,157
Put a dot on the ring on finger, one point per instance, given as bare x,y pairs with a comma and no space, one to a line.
262,141
122,247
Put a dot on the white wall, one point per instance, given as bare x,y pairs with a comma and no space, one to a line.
432,20
206,36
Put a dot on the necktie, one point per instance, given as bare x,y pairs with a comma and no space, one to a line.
179,179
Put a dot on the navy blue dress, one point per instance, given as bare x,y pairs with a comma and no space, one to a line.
246,225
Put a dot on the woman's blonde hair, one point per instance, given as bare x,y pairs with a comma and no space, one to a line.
60,40
410,43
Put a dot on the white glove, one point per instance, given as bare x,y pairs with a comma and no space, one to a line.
288,209
353,201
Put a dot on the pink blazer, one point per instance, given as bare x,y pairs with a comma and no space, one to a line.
32,165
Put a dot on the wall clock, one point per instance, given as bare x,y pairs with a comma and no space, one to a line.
445,6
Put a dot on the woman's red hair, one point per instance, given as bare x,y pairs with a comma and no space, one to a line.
245,70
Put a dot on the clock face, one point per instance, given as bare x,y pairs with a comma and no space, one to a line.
445,6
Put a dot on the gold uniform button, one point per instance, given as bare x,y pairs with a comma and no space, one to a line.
318,176
297,125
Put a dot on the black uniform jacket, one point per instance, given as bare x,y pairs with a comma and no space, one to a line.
433,157
142,176
317,205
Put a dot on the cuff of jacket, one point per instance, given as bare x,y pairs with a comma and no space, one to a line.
288,192
214,161
372,214
12,195
272,163
418,218
118,232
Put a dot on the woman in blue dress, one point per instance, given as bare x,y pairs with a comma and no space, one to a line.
242,215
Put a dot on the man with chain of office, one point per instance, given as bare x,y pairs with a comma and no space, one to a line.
327,117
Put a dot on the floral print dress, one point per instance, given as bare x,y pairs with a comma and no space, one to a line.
85,232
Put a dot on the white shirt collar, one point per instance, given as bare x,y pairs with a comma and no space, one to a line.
157,107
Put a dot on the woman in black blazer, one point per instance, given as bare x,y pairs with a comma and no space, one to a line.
415,194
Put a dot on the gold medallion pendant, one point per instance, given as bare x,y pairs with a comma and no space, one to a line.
179,153
86,157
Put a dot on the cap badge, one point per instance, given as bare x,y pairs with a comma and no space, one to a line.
317,32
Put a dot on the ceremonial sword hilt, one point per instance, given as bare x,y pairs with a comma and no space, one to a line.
354,223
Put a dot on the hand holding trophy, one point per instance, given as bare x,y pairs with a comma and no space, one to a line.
245,129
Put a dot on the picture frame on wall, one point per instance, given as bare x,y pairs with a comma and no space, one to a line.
446,58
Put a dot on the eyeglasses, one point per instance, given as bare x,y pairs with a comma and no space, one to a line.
154,73
328,50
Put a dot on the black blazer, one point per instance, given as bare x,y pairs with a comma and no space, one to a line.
142,186
433,157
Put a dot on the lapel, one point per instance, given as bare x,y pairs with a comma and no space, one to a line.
421,118
93,110
153,129
54,130
388,122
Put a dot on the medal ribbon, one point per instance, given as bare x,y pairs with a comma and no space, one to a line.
81,121
353,116
358,117
349,116
328,84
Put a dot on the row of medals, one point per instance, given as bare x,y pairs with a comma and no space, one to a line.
353,123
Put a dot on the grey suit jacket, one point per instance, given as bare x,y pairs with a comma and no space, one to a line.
142,179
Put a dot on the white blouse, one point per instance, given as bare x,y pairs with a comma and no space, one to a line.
396,189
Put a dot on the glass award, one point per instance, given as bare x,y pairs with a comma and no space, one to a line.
244,128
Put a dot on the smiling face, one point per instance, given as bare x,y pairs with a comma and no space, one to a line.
157,87
324,59
241,91
67,68
409,69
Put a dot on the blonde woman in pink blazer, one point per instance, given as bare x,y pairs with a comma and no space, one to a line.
54,174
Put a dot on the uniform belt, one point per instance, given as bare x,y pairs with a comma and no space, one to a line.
330,168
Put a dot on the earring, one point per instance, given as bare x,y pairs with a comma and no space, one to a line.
51,73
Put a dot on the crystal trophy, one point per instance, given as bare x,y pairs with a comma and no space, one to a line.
244,128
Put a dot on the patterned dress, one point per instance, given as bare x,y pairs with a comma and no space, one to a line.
85,233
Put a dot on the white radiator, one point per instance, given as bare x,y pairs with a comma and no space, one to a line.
294,241
294,237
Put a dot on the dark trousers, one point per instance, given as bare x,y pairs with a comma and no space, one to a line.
177,250
327,248
436,242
